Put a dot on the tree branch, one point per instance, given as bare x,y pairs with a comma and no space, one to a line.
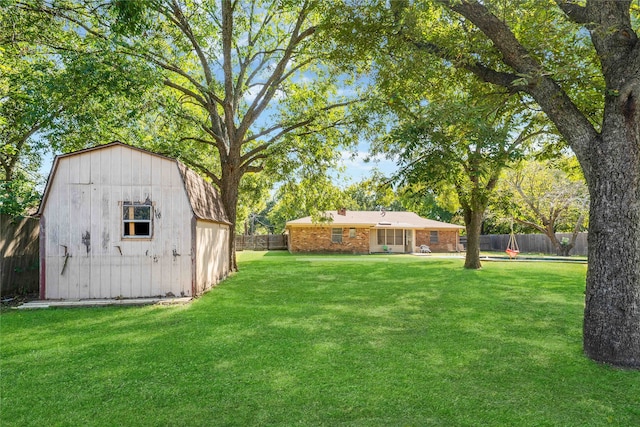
183,24
271,85
554,101
216,180
532,225
574,12
187,92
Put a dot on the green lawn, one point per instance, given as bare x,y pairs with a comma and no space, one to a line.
324,340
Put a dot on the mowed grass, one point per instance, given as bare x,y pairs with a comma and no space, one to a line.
324,340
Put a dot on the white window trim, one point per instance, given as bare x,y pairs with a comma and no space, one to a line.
129,222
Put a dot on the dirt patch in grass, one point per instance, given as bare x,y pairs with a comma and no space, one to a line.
10,301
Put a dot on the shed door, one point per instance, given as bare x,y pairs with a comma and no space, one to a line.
78,269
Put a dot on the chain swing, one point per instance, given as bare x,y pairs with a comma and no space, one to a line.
512,247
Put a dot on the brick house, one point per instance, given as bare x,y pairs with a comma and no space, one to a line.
362,232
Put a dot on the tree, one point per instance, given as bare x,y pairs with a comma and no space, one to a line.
372,194
310,195
52,95
246,75
23,111
22,114
546,199
428,203
580,63
461,143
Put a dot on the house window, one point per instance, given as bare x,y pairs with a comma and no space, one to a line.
352,233
399,237
137,220
433,237
336,235
391,237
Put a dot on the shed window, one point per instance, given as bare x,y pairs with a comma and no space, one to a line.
433,237
352,233
336,235
137,220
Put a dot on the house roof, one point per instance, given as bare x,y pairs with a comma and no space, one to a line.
203,197
377,219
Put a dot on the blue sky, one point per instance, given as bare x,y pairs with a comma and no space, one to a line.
357,168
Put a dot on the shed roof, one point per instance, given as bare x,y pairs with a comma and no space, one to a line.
377,219
203,197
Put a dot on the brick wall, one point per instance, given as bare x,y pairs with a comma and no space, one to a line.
318,239
447,240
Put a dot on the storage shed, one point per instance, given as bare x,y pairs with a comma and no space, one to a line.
121,222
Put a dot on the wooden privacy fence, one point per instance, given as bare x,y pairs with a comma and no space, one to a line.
19,255
266,242
537,243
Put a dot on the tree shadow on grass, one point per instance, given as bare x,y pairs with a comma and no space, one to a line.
320,343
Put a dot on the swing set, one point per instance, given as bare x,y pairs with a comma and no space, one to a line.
512,247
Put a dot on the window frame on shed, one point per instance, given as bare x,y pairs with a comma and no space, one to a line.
335,237
137,220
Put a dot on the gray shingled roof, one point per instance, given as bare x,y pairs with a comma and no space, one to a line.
376,219
203,196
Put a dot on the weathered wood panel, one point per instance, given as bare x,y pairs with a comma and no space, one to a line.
261,242
84,218
212,256
19,255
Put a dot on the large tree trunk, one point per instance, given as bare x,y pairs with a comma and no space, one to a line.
229,189
563,250
473,224
612,304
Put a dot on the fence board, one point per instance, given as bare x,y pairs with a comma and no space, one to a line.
19,255
536,243
265,242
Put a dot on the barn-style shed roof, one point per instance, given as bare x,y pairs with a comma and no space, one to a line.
203,197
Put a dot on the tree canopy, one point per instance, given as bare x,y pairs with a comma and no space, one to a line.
245,86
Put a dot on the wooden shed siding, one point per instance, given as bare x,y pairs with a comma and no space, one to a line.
86,195
212,256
